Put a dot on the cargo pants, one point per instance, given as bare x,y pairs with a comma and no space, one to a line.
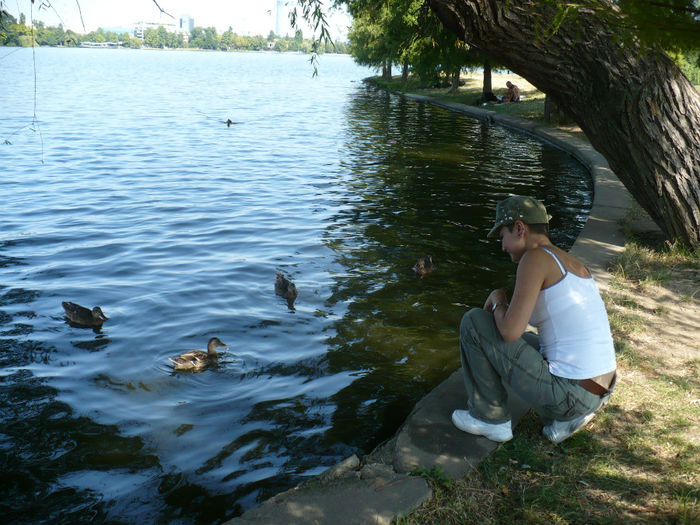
491,367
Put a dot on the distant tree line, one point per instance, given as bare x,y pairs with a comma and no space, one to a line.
15,32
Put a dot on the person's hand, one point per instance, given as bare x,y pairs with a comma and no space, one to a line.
497,296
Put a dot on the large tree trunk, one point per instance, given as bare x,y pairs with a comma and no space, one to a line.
637,108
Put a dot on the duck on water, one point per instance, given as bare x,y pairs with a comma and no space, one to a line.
198,360
82,316
424,265
286,288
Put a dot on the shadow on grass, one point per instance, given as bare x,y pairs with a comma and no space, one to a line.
610,472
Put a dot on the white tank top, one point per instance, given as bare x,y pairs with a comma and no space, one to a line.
573,325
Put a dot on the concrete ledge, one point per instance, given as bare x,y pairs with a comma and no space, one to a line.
429,439
352,500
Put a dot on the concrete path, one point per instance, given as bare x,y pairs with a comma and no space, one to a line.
378,487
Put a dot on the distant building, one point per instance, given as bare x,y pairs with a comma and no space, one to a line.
186,23
282,27
141,27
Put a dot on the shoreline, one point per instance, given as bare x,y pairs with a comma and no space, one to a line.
347,493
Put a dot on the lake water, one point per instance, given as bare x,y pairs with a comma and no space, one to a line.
130,192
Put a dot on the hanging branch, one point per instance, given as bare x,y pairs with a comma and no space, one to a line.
163,10
312,11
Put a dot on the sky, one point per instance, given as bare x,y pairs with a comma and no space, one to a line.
245,17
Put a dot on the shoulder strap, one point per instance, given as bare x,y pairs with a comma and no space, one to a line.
561,266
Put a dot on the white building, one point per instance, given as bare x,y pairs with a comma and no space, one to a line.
184,27
283,26
141,27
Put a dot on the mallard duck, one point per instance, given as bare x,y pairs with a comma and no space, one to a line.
84,316
424,265
198,359
285,288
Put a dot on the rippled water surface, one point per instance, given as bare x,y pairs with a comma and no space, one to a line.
130,192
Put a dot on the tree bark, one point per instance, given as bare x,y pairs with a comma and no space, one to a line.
551,109
386,70
636,107
487,89
404,73
455,80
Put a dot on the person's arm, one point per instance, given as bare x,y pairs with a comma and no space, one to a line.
512,318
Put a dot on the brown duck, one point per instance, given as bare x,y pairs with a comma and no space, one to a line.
198,360
82,316
285,288
424,265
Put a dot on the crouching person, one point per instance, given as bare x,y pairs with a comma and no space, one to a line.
567,371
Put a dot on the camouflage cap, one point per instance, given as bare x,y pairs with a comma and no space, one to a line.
519,208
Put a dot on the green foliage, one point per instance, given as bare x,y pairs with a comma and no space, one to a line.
689,64
406,32
672,25
204,38
435,476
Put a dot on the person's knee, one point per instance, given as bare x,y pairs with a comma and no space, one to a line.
471,315
472,319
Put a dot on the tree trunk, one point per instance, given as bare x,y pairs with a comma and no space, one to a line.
637,108
455,80
551,108
487,90
404,73
386,70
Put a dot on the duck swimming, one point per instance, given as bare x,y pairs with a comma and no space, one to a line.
84,316
285,288
198,360
424,265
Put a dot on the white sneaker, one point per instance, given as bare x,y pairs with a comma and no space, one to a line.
558,431
464,421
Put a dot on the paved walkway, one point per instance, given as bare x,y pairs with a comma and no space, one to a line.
378,487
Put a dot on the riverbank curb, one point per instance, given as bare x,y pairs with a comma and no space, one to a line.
378,487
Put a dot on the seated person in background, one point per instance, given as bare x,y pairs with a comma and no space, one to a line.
565,374
512,95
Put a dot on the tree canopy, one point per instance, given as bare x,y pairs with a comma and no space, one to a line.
406,32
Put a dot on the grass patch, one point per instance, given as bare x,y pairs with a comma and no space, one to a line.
630,464
531,108
645,265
